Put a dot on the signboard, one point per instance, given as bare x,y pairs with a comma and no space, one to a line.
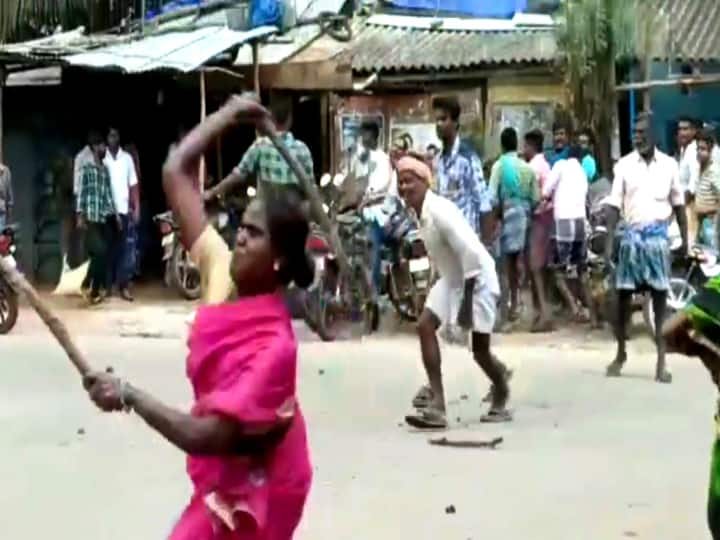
421,135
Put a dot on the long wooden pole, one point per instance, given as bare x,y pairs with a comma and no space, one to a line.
316,207
2,92
58,329
203,113
256,67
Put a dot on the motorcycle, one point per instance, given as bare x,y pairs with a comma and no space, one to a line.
688,276
180,272
405,269
8,297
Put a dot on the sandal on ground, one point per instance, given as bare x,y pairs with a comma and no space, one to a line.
423,398
427,419
497,416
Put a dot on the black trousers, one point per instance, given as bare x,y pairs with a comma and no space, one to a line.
97,240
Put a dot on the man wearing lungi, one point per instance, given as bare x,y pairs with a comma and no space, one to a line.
515,192
646,192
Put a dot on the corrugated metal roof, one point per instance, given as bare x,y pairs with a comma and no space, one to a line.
388,48
180,51
278,49
692,28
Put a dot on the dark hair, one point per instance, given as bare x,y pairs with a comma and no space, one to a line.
707,136
575,152
94,138
589,134
535,138
288,227
509,140
561,125
449,104
646,117
281,106
371,127
687,120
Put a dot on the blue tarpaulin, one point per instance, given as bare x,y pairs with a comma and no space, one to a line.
475,8
169,7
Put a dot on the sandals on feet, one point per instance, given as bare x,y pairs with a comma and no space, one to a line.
496,416
423,398
427,419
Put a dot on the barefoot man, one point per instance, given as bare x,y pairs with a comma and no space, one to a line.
647,191
466,293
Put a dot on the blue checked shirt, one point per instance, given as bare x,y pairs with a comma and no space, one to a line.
460,179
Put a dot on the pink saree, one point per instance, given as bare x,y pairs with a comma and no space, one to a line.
242,364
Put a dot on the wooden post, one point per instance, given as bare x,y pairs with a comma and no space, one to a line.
203,113
256,67
2,91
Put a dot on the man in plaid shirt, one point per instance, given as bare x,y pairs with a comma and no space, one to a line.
97,214
263,162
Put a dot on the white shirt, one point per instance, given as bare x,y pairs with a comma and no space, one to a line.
645,193
689,167
453,246
376,167
122,177
567,184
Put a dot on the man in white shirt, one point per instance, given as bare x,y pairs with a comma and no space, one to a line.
646,191
567,187
373,165
467,293
689,167
123,179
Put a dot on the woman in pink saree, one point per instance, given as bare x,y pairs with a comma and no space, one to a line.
245,436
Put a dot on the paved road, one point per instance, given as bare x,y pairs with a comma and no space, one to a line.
587,458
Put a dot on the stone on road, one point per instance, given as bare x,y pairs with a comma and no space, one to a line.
586,457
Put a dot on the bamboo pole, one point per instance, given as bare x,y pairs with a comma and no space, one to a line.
203,113
58,329
2,92
316,207
256,67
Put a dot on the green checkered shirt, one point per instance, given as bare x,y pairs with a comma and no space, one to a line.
96,199
264,162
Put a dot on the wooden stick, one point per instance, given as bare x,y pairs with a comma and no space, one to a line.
308,185
21,286
491,444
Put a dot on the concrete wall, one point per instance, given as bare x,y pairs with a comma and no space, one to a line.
521,102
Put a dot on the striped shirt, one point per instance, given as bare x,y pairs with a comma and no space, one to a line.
707,190
460,179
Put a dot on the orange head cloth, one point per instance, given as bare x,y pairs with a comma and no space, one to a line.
415,166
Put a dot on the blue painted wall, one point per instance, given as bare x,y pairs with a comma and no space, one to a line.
669,103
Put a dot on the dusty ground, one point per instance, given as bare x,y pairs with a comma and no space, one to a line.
587,458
